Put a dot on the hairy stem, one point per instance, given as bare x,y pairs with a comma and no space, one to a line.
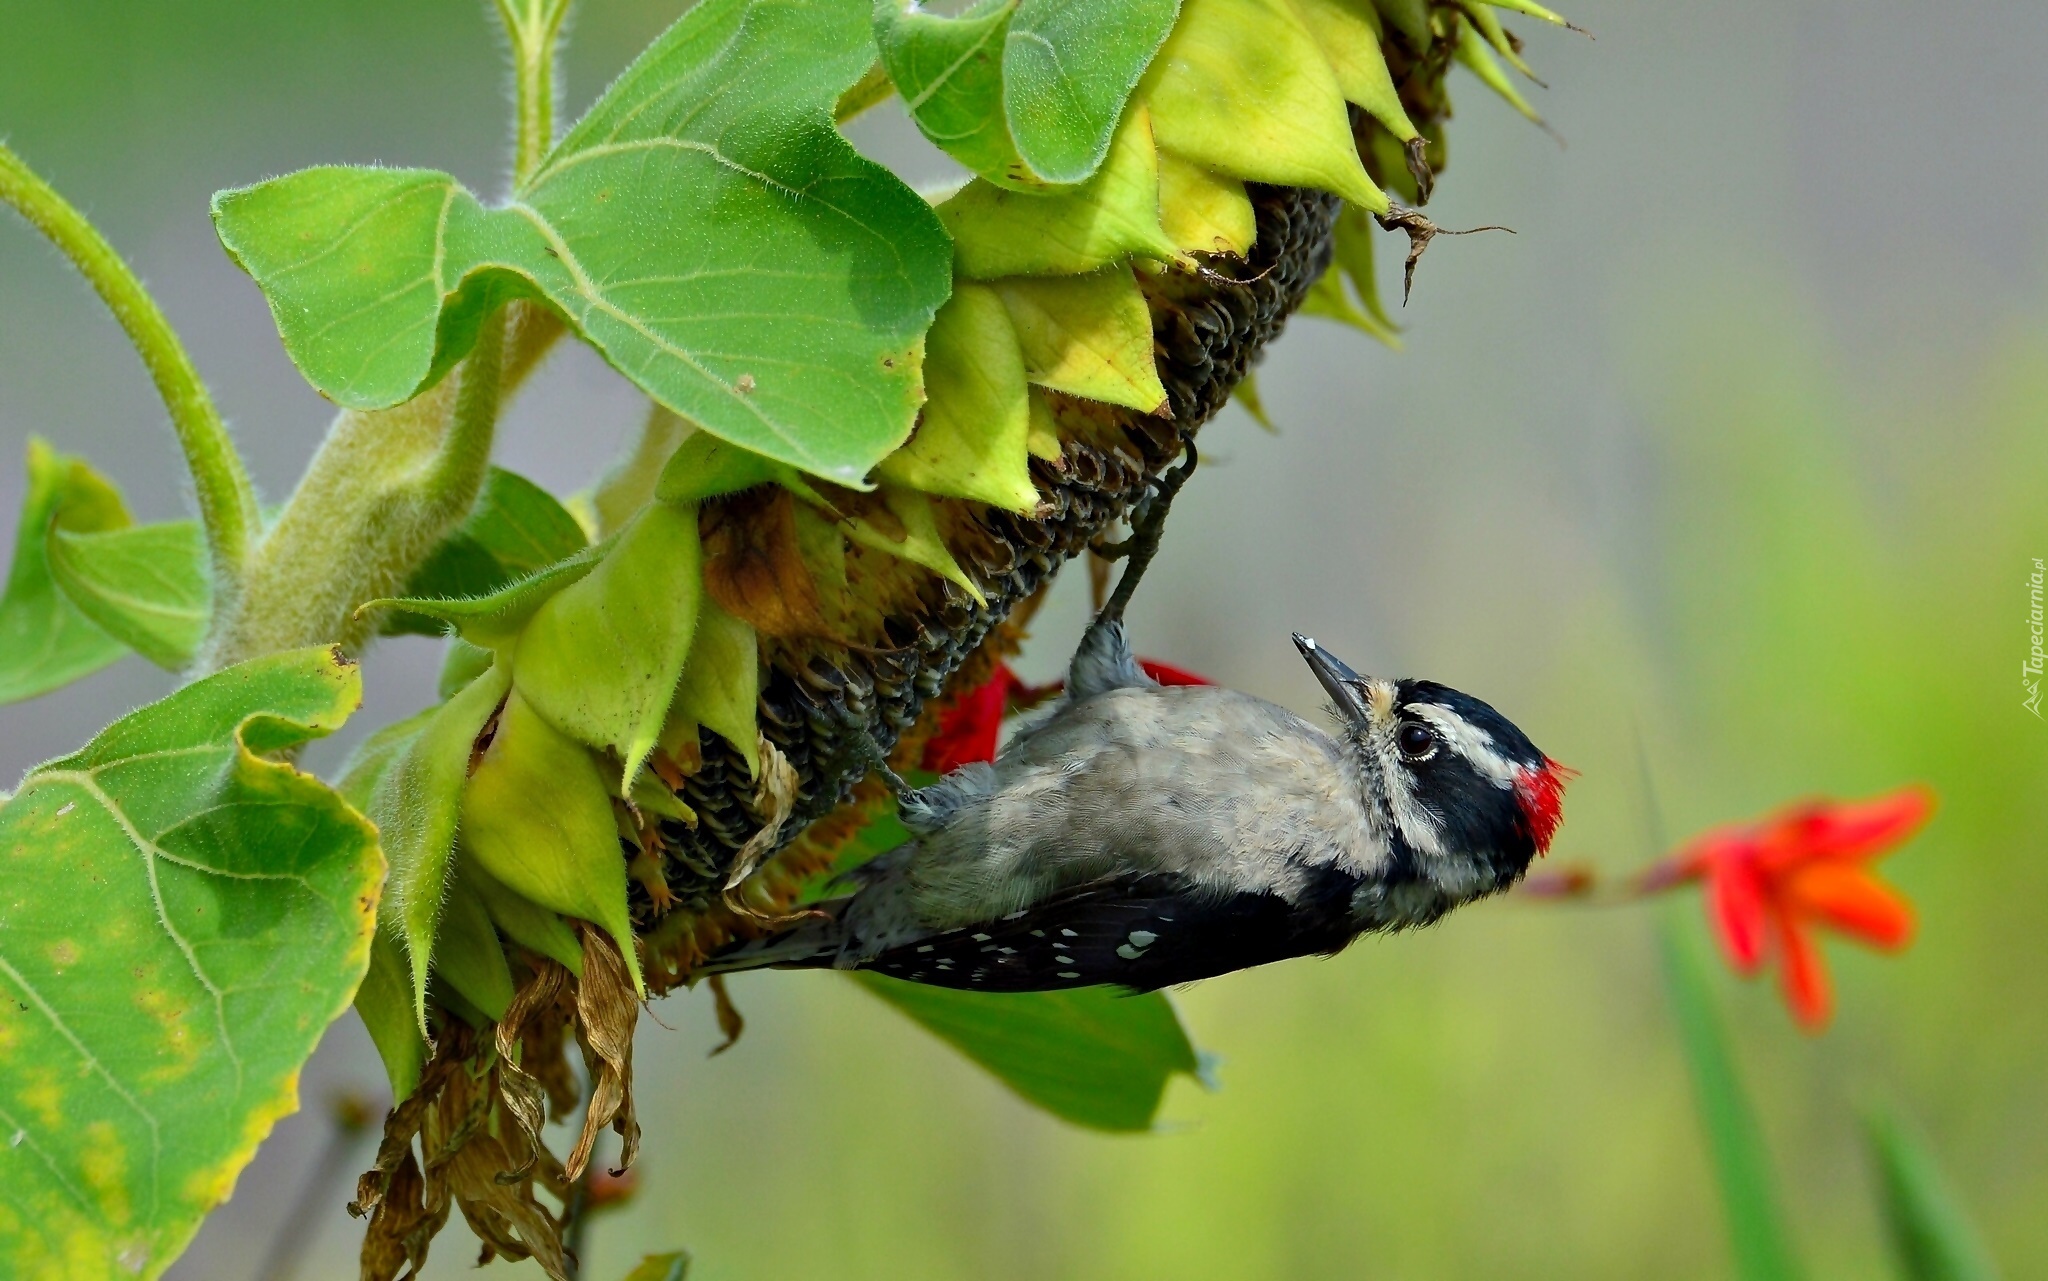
385,487
227,501
534,27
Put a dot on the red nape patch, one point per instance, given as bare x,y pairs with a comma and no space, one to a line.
1540,792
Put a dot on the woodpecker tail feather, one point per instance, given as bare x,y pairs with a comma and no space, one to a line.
812,943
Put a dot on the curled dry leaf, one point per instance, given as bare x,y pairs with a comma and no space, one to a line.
453,1116
606,1010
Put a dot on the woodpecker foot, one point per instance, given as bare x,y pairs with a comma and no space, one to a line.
1148,525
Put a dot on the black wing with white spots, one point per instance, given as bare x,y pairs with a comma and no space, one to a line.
1140,933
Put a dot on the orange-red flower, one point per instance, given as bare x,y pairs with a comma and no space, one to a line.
968,730
1769,884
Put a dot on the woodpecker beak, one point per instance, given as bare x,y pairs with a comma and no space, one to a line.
1344,686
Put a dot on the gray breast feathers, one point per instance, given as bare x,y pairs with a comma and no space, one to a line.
1228,790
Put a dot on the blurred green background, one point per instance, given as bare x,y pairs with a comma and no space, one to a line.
1737,452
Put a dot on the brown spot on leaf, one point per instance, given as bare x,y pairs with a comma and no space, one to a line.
753,566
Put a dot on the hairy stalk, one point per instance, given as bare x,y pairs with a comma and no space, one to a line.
534,27
385,487
227,501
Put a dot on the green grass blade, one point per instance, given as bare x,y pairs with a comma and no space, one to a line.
1932,1238
1757,1236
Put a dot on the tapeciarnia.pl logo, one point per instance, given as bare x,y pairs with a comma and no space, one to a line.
2030,671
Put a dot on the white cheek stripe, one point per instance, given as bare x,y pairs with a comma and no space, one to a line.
1417,826
1470,742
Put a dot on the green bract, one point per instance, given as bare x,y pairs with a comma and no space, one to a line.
601,658
517,528
1091,1055
415,804
1025,93
705,227
183,918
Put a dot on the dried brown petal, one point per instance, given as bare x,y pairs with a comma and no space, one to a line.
730,1021
606,1011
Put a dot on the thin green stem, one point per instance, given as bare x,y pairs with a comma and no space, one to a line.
227,501
534,27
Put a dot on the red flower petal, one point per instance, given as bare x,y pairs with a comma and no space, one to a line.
1854,902
1168,674
1848,830
1804,977
1735,904
969,728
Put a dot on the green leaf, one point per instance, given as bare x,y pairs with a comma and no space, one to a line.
467,954
384,1001
183,917
1088,1055
1112,216
971,439
537,817
1068,67
600,659
912,532
673,1266
950,73
721,683
415,805
705,227
515,529
45,642
524,922
146,586
495,621
1025,93
1932,1236
1757,1238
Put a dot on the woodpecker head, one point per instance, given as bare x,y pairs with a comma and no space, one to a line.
1464,800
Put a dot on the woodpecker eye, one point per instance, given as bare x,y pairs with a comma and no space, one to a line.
1417,741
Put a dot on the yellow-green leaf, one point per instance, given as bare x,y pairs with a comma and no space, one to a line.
1326,298
1349,33
467,954
1105,220
184,914
525,922
1204,212
45,642
1241,88
971,439
913,534
722,681
1354,257
538,816
1478,59
1087,336
601,658
416,805
384,1001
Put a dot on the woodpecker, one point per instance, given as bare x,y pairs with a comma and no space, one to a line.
1145,836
